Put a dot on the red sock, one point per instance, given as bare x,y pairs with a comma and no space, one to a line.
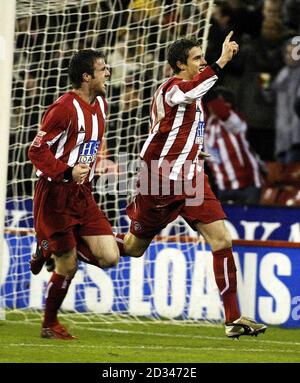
85,254
120,243
225,275
56,291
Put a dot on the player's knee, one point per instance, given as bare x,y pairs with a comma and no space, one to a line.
134,251
66,265
113,259
221,241
109,260
71,267
227,240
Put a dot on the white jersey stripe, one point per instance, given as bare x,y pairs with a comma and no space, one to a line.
185,152
218,175
101,103
188,147
94,138
60,148
201,89
213,130
160,104
234,124
227,164
198,103
211,137
80,115
81,134
62,142
237,158
168,144
191,173
52,142
94,128
176,96
173,132
148,141
237,149
252,160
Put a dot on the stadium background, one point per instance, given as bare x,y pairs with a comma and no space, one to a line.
135,35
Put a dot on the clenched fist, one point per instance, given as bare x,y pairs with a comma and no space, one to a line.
79,172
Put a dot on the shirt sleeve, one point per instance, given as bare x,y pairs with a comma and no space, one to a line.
234,123
230,120
185,92
55,123
220,108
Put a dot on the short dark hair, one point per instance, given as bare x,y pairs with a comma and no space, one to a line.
179,51
82,62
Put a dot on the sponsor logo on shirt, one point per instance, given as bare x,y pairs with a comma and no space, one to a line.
200,133
88,152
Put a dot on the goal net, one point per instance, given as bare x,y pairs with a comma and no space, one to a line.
170,281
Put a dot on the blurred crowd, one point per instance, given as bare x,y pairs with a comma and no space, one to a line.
265,76
261,85
264,81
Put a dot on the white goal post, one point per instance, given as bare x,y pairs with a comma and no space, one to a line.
7,23
135,35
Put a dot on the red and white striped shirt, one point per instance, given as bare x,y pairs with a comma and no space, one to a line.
71,133
177,124
232,162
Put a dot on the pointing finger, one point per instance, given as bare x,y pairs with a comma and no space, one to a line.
228,37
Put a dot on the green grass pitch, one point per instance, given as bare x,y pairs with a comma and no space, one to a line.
147,342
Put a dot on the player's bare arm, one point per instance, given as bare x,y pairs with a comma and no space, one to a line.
229,50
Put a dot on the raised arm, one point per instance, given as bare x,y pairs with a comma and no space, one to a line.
185,92
229,50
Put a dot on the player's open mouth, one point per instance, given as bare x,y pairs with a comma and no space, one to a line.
202,69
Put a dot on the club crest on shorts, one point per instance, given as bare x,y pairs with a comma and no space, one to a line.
137,226
45,244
